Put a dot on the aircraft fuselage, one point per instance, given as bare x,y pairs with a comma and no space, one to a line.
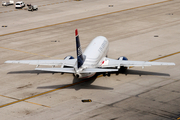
94,53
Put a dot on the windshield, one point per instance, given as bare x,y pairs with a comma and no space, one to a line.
17,3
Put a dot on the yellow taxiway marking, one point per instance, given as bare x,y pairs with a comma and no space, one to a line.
178,118
165,56
24,101
84,18
99,76
43,94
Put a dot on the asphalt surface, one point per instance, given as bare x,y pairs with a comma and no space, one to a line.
140,30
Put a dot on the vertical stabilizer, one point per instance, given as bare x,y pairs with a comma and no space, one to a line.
80,57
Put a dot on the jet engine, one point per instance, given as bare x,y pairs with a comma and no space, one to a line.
122,58
68,57
122,68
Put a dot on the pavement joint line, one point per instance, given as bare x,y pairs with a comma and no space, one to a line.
28,52
83,18
25,52
24,101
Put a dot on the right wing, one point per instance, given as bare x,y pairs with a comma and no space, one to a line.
125,63
69,63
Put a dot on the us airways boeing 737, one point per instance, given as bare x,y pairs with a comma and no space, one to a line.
91,61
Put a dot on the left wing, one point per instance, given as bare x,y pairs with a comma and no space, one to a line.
70,62
107,62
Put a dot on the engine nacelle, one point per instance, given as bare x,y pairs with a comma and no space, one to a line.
122,68
122,58
68,57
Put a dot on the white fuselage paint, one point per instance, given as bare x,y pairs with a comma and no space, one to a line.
94,54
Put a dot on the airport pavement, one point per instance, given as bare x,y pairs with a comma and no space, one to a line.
137,29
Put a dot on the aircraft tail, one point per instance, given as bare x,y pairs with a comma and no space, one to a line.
80,57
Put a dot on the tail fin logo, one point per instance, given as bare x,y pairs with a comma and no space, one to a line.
79,51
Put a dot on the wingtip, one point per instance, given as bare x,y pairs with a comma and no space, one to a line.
11,61
6,62
76,32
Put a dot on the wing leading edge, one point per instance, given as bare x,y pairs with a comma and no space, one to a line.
70,62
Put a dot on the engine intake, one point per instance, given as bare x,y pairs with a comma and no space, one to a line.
68,57
122,58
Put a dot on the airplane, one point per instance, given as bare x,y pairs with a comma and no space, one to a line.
93,60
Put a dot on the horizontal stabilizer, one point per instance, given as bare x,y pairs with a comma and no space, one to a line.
93,70
65,70
71,70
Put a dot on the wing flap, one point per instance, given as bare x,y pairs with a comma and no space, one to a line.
93,70
65,70
71,70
